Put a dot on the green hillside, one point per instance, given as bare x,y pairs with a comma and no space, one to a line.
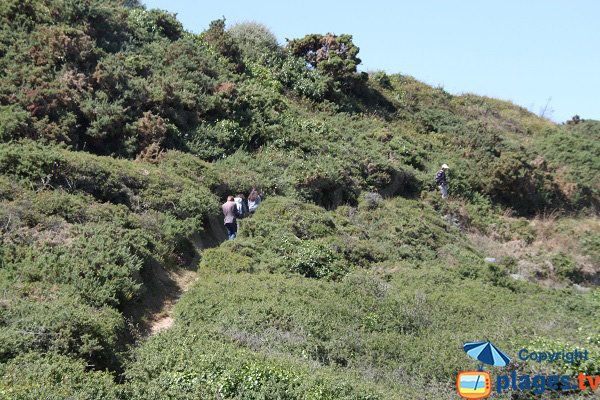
120,136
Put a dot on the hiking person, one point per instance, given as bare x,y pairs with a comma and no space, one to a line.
230,213
242,206
253,201
440,180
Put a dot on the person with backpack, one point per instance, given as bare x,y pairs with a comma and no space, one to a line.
253,201
440,180
242,206
231,214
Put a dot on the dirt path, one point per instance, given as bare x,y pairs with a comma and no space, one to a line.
154,312
162,319
162,288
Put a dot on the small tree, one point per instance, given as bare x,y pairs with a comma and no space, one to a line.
333,55
254,39
150,25
221,41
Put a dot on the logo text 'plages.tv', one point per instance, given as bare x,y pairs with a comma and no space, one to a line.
477,384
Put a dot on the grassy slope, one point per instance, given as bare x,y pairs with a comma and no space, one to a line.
397,323
330,291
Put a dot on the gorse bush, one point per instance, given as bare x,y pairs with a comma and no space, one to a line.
100,264
148,25
287,235
137,82
566,268
138,186
120,135
78,233
333,55
223,43
310,83
96,100
311,258
576,168
209,368
58,320
54,377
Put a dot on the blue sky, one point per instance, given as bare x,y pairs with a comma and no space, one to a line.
536,53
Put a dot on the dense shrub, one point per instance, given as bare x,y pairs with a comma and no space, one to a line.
291,71
14,122
56,319
223,42
517,183
101,264
78,233
139,186
565,268
54,377
254,39
311,258
361,323
223,259
335,56
591,245
76,93
287,235
573,152
353,280
148,25
206,368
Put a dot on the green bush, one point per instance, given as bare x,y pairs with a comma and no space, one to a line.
54,318
222,259
223,43
573,152
311,258
351,270
54,377
591,245
138,186
14,123
566,268
205,368
278,215
335,56
73,257
101,264
254,39
148,25
293,74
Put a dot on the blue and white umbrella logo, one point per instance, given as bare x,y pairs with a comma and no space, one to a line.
486,353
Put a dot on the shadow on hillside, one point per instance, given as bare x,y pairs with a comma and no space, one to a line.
330,194
403,184
368,100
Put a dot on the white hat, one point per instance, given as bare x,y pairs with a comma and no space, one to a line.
445,166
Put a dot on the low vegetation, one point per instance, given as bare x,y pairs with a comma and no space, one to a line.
120,135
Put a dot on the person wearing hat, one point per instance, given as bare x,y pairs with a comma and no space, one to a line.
440,180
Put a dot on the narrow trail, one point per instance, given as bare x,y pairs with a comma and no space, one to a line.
153,313
181,281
